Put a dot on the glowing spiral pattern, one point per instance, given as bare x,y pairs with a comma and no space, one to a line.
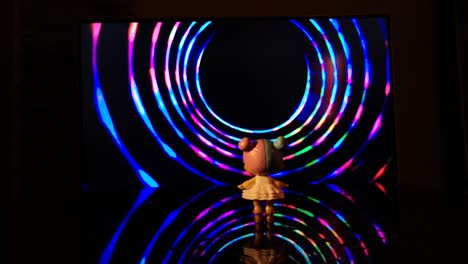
147,81
334,128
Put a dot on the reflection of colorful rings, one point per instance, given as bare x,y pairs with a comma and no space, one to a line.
203,229
334,125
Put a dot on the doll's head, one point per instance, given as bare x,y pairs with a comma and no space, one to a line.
262,157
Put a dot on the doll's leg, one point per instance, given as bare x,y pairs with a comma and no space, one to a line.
258,211
257,207
258,233
269,211
269,219
269,232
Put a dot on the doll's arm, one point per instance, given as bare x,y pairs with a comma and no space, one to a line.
280,184
247,184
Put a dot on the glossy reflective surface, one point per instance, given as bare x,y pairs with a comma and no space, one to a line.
184,224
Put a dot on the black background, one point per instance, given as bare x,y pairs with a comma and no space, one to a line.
43,106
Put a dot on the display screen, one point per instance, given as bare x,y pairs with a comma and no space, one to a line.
166,102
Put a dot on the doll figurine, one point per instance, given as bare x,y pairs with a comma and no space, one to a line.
261,159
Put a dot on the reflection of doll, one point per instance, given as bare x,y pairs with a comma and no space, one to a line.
264,249
262,158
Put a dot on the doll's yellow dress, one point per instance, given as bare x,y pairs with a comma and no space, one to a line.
265,188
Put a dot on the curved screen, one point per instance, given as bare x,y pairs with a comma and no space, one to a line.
166,103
